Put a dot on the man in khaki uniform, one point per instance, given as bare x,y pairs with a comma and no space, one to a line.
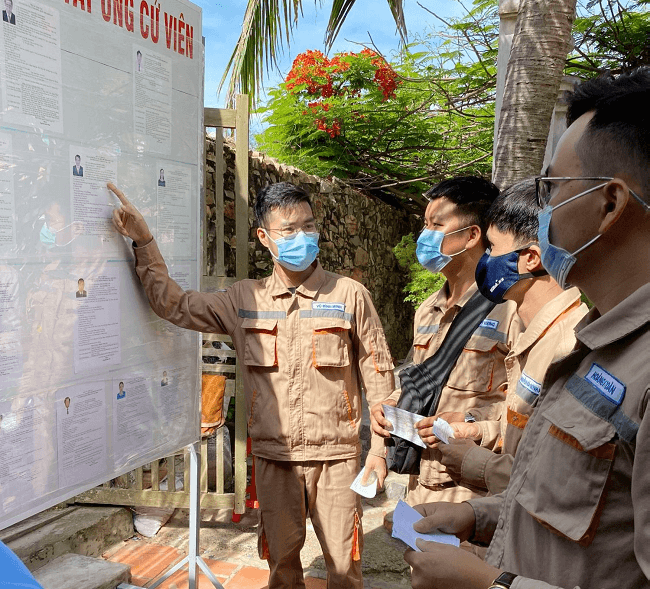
306,340
577,510
549,316
457,210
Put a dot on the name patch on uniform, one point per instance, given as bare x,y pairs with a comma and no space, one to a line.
532,385
328,306
489,323
606,384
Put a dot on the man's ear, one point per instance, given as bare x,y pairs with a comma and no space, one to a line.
475,237
263,237
616,196
533,257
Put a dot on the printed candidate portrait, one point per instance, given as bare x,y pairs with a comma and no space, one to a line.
161,178
77,169
122,393
164,381
66,402
138,61
8,15
81,289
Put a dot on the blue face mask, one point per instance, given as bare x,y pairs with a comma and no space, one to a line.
428,249
495,275
47,236
297,252
557,261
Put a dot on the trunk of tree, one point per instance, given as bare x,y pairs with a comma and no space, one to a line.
540,45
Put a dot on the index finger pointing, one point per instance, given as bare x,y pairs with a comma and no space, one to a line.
117,192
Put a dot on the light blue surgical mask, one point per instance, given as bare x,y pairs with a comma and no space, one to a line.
47,236
556,260
296,252
428,249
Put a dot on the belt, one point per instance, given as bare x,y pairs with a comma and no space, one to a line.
441,486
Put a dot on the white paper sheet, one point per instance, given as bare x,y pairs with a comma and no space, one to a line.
7,197
404,517
442,430
174,229
92,203
132,418
11,351
170,394
181,273
97,342
403,423
81,432
31,61
369,490
152,99
28,464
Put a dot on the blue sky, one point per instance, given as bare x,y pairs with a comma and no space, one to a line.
222,22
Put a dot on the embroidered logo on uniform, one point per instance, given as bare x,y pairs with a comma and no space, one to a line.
532,385
489,323
328,306
606,384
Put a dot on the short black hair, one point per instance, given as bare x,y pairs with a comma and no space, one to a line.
282,195
80,280
515,212
472,196
617,138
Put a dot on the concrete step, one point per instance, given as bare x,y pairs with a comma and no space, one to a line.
85,530
73,571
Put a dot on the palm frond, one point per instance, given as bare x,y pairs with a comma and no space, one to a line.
341,9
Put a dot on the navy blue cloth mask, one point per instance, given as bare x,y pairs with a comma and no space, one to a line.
495,275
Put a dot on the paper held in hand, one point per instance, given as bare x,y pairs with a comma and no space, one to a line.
403,423
369,490
403,519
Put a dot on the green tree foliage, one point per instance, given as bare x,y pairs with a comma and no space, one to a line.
397,126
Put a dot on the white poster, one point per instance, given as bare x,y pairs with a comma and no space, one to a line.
31,60
132,413
97,342
171,394
92,203
174,218
7,198
27,448
182,274
81,433
11,353
152,99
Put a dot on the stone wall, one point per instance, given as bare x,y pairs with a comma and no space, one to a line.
358,233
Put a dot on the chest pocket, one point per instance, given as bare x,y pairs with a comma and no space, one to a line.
261,347
475,366
567,479
330,342
421,343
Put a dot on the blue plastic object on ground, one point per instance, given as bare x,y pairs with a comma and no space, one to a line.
13,573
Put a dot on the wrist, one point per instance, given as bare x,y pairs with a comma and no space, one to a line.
503,581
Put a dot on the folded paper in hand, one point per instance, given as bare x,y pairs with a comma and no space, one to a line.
442,430
403,423
403,519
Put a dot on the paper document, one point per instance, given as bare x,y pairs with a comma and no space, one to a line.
442,430
369,490
403,423
403,519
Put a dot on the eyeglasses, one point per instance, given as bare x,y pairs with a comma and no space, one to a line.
544,185
292,232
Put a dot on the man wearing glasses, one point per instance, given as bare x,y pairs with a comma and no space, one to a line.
306,339
577,510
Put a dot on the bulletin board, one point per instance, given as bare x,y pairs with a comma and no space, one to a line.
92,382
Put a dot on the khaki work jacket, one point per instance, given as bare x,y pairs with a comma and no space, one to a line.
304,355
479,371
549,338
577,510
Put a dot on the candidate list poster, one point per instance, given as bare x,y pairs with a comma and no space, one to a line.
90,93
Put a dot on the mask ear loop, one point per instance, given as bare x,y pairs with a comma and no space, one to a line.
451,233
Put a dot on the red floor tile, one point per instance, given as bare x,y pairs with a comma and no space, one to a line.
249,578
147,560
180,579
315,583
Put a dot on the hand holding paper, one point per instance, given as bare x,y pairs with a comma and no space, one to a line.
403,519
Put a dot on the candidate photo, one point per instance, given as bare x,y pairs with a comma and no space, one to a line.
77,169
161,178
122,393
81,292
8,15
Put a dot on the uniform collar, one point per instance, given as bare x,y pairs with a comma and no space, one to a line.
633,313
440,301
544,318
308,288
